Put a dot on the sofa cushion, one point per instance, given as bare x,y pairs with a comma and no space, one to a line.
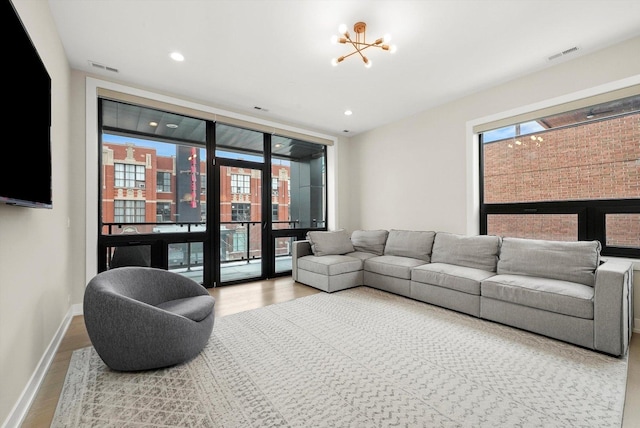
410,243
574,261
479,252
454,277
562,297
397,267
330,265
370,241
325,243
362,255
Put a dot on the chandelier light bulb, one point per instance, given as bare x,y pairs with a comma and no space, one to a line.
387,38
334,62
393,49
334,40
177,56
367,62
342,29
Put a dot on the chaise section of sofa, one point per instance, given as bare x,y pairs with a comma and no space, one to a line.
458,265
329,261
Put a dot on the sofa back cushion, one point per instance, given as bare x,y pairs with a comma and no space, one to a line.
369,241
410,243
479,252
574,261
324,243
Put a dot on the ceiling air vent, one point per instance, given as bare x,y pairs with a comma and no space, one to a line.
102,67
563,53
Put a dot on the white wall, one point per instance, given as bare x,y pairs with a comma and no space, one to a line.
421,172
37,249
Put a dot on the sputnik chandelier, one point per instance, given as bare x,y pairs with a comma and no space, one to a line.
360,43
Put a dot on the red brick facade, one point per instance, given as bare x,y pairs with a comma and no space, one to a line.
600,160
147,192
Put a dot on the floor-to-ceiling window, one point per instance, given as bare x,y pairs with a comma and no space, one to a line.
572,175
159,169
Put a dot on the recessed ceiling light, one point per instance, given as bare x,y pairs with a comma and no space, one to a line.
153,123
348,113
177,56
345,130
172,125
278,145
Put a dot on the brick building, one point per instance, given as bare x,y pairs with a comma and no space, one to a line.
139,186
598,160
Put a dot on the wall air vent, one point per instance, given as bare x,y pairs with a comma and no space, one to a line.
103,67
563,53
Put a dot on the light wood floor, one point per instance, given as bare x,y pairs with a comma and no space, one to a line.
238,298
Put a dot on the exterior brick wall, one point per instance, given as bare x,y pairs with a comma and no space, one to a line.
557,227
623,230
600,160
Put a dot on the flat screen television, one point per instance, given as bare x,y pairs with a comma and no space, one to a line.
25,153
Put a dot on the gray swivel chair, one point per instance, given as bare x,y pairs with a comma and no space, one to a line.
142,318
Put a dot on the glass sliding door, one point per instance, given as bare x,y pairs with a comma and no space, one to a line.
240,165
241,223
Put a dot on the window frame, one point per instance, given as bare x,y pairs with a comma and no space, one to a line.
591,213
163,207
235,211
164,185
138,208
243,184
126,179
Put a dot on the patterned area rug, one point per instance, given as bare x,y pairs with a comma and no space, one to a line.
355,358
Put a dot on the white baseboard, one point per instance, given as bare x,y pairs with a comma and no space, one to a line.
20,409
76,310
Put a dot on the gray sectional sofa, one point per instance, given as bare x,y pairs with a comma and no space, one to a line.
558,289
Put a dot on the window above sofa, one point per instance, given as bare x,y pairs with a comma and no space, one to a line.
570,175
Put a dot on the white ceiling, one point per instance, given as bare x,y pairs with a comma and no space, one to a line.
276,54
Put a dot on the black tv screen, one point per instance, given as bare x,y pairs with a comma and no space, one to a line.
25,156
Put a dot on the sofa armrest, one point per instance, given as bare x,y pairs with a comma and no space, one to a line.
613,307
300,249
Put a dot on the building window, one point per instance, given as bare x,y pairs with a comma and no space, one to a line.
163,212
129,175
274,186
203,184
126,211
239,241
274,212
164,182
241,212
240,184
568,176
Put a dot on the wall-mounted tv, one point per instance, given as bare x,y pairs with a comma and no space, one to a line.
25,153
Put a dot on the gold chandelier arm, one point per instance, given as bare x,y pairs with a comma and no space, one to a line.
370,45
355,46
